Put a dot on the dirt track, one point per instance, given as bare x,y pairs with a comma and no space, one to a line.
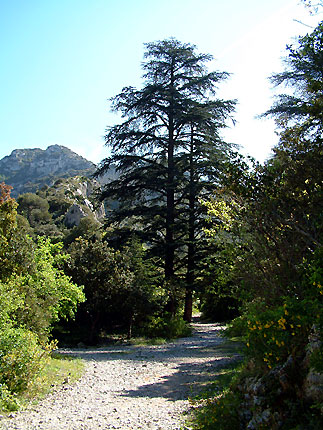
130,387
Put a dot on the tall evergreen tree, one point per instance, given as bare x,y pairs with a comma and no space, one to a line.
163,148
203,160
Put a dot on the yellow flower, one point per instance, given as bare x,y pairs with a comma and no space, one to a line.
281,322
293,334
265,335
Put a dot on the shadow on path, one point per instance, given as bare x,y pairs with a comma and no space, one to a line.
202,343
185,366
188,380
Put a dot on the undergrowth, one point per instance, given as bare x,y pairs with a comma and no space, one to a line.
216,407
58,370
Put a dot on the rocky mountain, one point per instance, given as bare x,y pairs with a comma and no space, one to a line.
28,170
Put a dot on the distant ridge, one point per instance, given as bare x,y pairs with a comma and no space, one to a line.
27,170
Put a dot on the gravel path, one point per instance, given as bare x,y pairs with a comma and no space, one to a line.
129,387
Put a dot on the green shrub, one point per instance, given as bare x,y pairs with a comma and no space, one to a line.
21,358
219,412
218,308
274,332
167,326
220,406
8,401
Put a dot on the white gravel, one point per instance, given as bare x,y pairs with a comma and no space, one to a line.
128,387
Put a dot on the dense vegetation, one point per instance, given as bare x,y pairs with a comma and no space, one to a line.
34,294
267,223
187,219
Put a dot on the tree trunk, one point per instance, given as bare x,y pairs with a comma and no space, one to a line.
130,325
188,308
190,270
170,203
190,276
93,328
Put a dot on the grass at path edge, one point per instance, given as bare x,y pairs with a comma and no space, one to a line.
58,370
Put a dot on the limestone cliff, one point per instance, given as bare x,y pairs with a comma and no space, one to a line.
27,170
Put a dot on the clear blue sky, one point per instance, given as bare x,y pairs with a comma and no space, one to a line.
61,60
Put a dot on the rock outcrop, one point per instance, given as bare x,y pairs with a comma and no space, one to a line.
83,192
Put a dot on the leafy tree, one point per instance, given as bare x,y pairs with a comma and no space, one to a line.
48,293
34,208
34,292
16,253
32,275
7,224
295,170
142,296
118,284
155,150
281,203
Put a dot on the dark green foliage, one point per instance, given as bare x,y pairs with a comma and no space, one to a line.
215,307
167,152
34,208
119,285
303,74
166,326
